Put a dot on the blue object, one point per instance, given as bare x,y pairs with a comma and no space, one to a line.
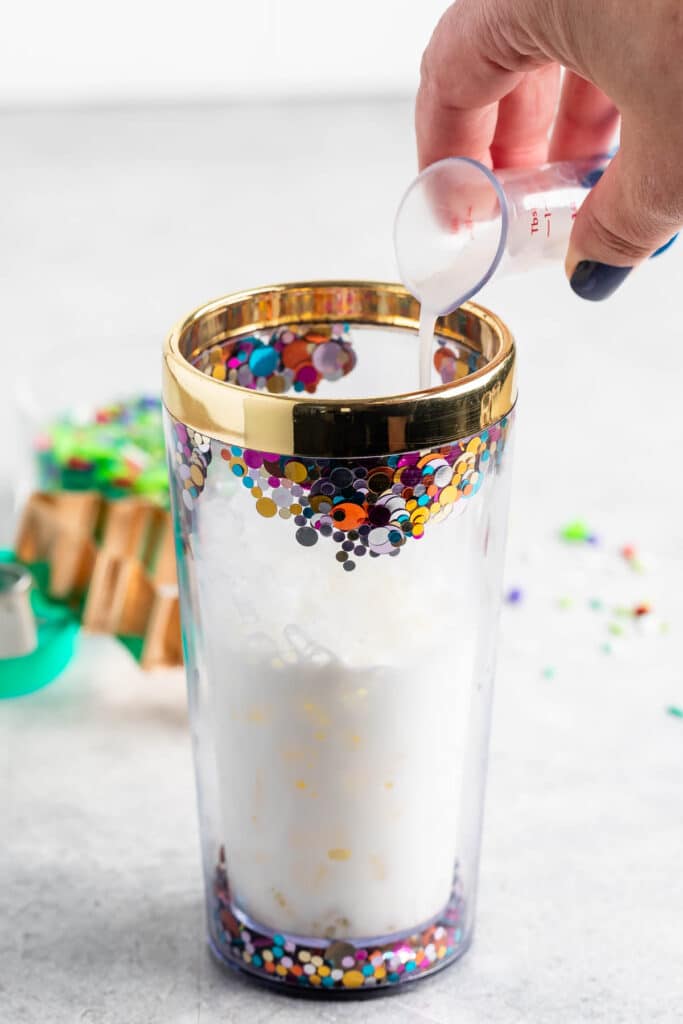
663,248
593,177
263,361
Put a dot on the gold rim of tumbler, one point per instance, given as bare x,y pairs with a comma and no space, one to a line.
331,427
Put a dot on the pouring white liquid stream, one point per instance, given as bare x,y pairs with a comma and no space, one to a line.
426,342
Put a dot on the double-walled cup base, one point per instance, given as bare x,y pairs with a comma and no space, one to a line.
334,967
305,991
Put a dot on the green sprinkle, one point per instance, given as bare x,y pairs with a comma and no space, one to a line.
674,711
576,531
118,450
596,604
606,648
548,672
615,629
564,602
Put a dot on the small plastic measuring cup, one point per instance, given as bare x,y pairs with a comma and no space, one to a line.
459,223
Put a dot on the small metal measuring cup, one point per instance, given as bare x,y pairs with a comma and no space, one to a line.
18,635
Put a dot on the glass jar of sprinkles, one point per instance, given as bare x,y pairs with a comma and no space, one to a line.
84,425
340,540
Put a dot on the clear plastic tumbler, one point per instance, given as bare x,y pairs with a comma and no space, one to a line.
340,540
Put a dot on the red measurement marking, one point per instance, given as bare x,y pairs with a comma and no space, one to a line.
469,224
534,222
548,217
574,211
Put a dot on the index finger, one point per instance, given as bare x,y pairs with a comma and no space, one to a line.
462,80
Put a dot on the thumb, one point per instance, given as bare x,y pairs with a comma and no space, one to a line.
629,214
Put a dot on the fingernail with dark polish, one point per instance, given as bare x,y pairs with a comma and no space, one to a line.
597,281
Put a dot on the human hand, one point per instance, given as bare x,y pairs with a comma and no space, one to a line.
489,89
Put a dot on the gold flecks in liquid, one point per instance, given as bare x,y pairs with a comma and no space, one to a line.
339,853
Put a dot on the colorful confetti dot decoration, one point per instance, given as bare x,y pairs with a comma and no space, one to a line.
364,506
336,966
190,462
450,363
282,360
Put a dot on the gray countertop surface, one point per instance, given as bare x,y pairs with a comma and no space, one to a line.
115,223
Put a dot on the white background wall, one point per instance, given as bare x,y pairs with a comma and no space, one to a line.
84,51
